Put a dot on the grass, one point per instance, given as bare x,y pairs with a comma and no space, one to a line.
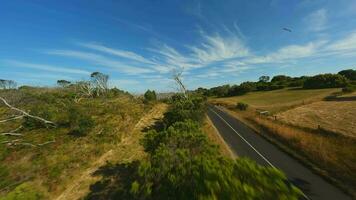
276,100
335,116
51,168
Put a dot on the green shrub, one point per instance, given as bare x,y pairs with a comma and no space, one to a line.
241,106
150,95
349,88
41,110
25,191
80,123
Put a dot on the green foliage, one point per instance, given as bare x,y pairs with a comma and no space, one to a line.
349,74
325,81
182,109
242,106
4,174
349,88
150,95
263,79
41,110
25,191
80,122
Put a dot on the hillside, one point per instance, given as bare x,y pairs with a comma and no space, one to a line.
43,159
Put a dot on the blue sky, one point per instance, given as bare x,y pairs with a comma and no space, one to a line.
140,43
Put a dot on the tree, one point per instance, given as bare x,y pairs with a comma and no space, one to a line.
325,81
150,95
264,79
63,83
281,78
100,82
7,84
349,74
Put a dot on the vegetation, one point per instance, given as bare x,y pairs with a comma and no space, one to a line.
342,79
39,159
183,164
325,81
241,106
150,96
349,74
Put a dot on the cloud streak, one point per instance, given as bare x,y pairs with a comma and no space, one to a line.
101,60
43,67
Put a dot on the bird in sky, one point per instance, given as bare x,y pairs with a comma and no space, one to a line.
287,29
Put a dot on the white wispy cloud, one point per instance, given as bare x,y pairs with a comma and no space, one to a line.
43,67
216,48
317,20
117,52
346,44
101,60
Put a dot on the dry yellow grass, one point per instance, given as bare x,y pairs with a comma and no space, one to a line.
336,116
277,100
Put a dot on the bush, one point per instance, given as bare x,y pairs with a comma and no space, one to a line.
150,95
80,123
41,110
349,74
182,109
349,88
241,106
24,191
325,81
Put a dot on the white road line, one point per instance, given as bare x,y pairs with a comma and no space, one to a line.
265,159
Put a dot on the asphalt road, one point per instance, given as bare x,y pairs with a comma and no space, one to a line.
244,142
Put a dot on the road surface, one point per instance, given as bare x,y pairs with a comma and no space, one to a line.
246,143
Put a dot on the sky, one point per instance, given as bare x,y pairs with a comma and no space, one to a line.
140,44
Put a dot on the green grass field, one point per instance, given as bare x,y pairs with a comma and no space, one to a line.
277,100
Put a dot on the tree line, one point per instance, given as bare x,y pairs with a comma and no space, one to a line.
344,79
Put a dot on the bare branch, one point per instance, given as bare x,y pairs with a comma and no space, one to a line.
11,134
177,78
12,118
17,142
26,114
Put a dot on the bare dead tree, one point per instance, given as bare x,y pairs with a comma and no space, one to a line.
24,113
100,82
7,84
84,89
177,77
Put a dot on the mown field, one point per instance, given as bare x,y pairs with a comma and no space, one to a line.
42,161
319,132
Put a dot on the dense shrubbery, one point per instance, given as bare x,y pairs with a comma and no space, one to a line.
182,109
325,81
80,123
241,106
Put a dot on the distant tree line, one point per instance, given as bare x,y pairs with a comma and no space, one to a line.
343,79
